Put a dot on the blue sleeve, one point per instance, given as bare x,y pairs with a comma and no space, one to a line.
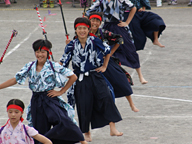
103,46
62,70
61,74
66,57
129,4
22,74
96,7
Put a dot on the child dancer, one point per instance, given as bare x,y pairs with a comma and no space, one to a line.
93,99
145,24
46,110
14,131
113,73
113,16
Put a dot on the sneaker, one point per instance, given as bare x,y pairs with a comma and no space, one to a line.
45,5
51,5
190,3
7,3
172,2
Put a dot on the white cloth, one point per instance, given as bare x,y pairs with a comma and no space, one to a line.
17,135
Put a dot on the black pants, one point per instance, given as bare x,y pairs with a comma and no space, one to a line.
94,103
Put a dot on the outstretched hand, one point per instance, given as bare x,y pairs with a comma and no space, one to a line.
53,93
67,41
101,69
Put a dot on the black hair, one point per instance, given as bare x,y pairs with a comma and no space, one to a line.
41,43
82,20
97,13
16,102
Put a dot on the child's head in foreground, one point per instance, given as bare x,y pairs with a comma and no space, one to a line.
15,108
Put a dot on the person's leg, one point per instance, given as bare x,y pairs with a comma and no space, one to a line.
84,104
141,78
105,111
133,107
7,3
83,142
113,130
88,136
156,41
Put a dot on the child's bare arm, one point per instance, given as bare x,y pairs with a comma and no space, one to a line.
42,139
106,60
105,64
53,93
114,48
69,83
130,17
8,83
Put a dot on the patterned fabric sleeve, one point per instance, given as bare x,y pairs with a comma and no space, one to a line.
129,3
22,74
112,11
66,57
96,7
103,46
62,70
31,131
61,73
111,37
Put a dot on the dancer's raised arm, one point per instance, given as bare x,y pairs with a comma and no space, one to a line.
8,83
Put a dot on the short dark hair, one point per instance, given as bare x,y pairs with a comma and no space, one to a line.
96,13
40,43
16,102
82,20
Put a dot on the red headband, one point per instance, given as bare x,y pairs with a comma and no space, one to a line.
95,16
47,49
15,107
84,24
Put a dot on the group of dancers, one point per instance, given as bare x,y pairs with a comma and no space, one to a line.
96,80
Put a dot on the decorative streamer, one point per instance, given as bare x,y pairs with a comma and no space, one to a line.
65,27
41,24
13,35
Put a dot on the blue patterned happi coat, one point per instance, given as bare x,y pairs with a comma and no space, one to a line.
84,60
112,11
45,80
